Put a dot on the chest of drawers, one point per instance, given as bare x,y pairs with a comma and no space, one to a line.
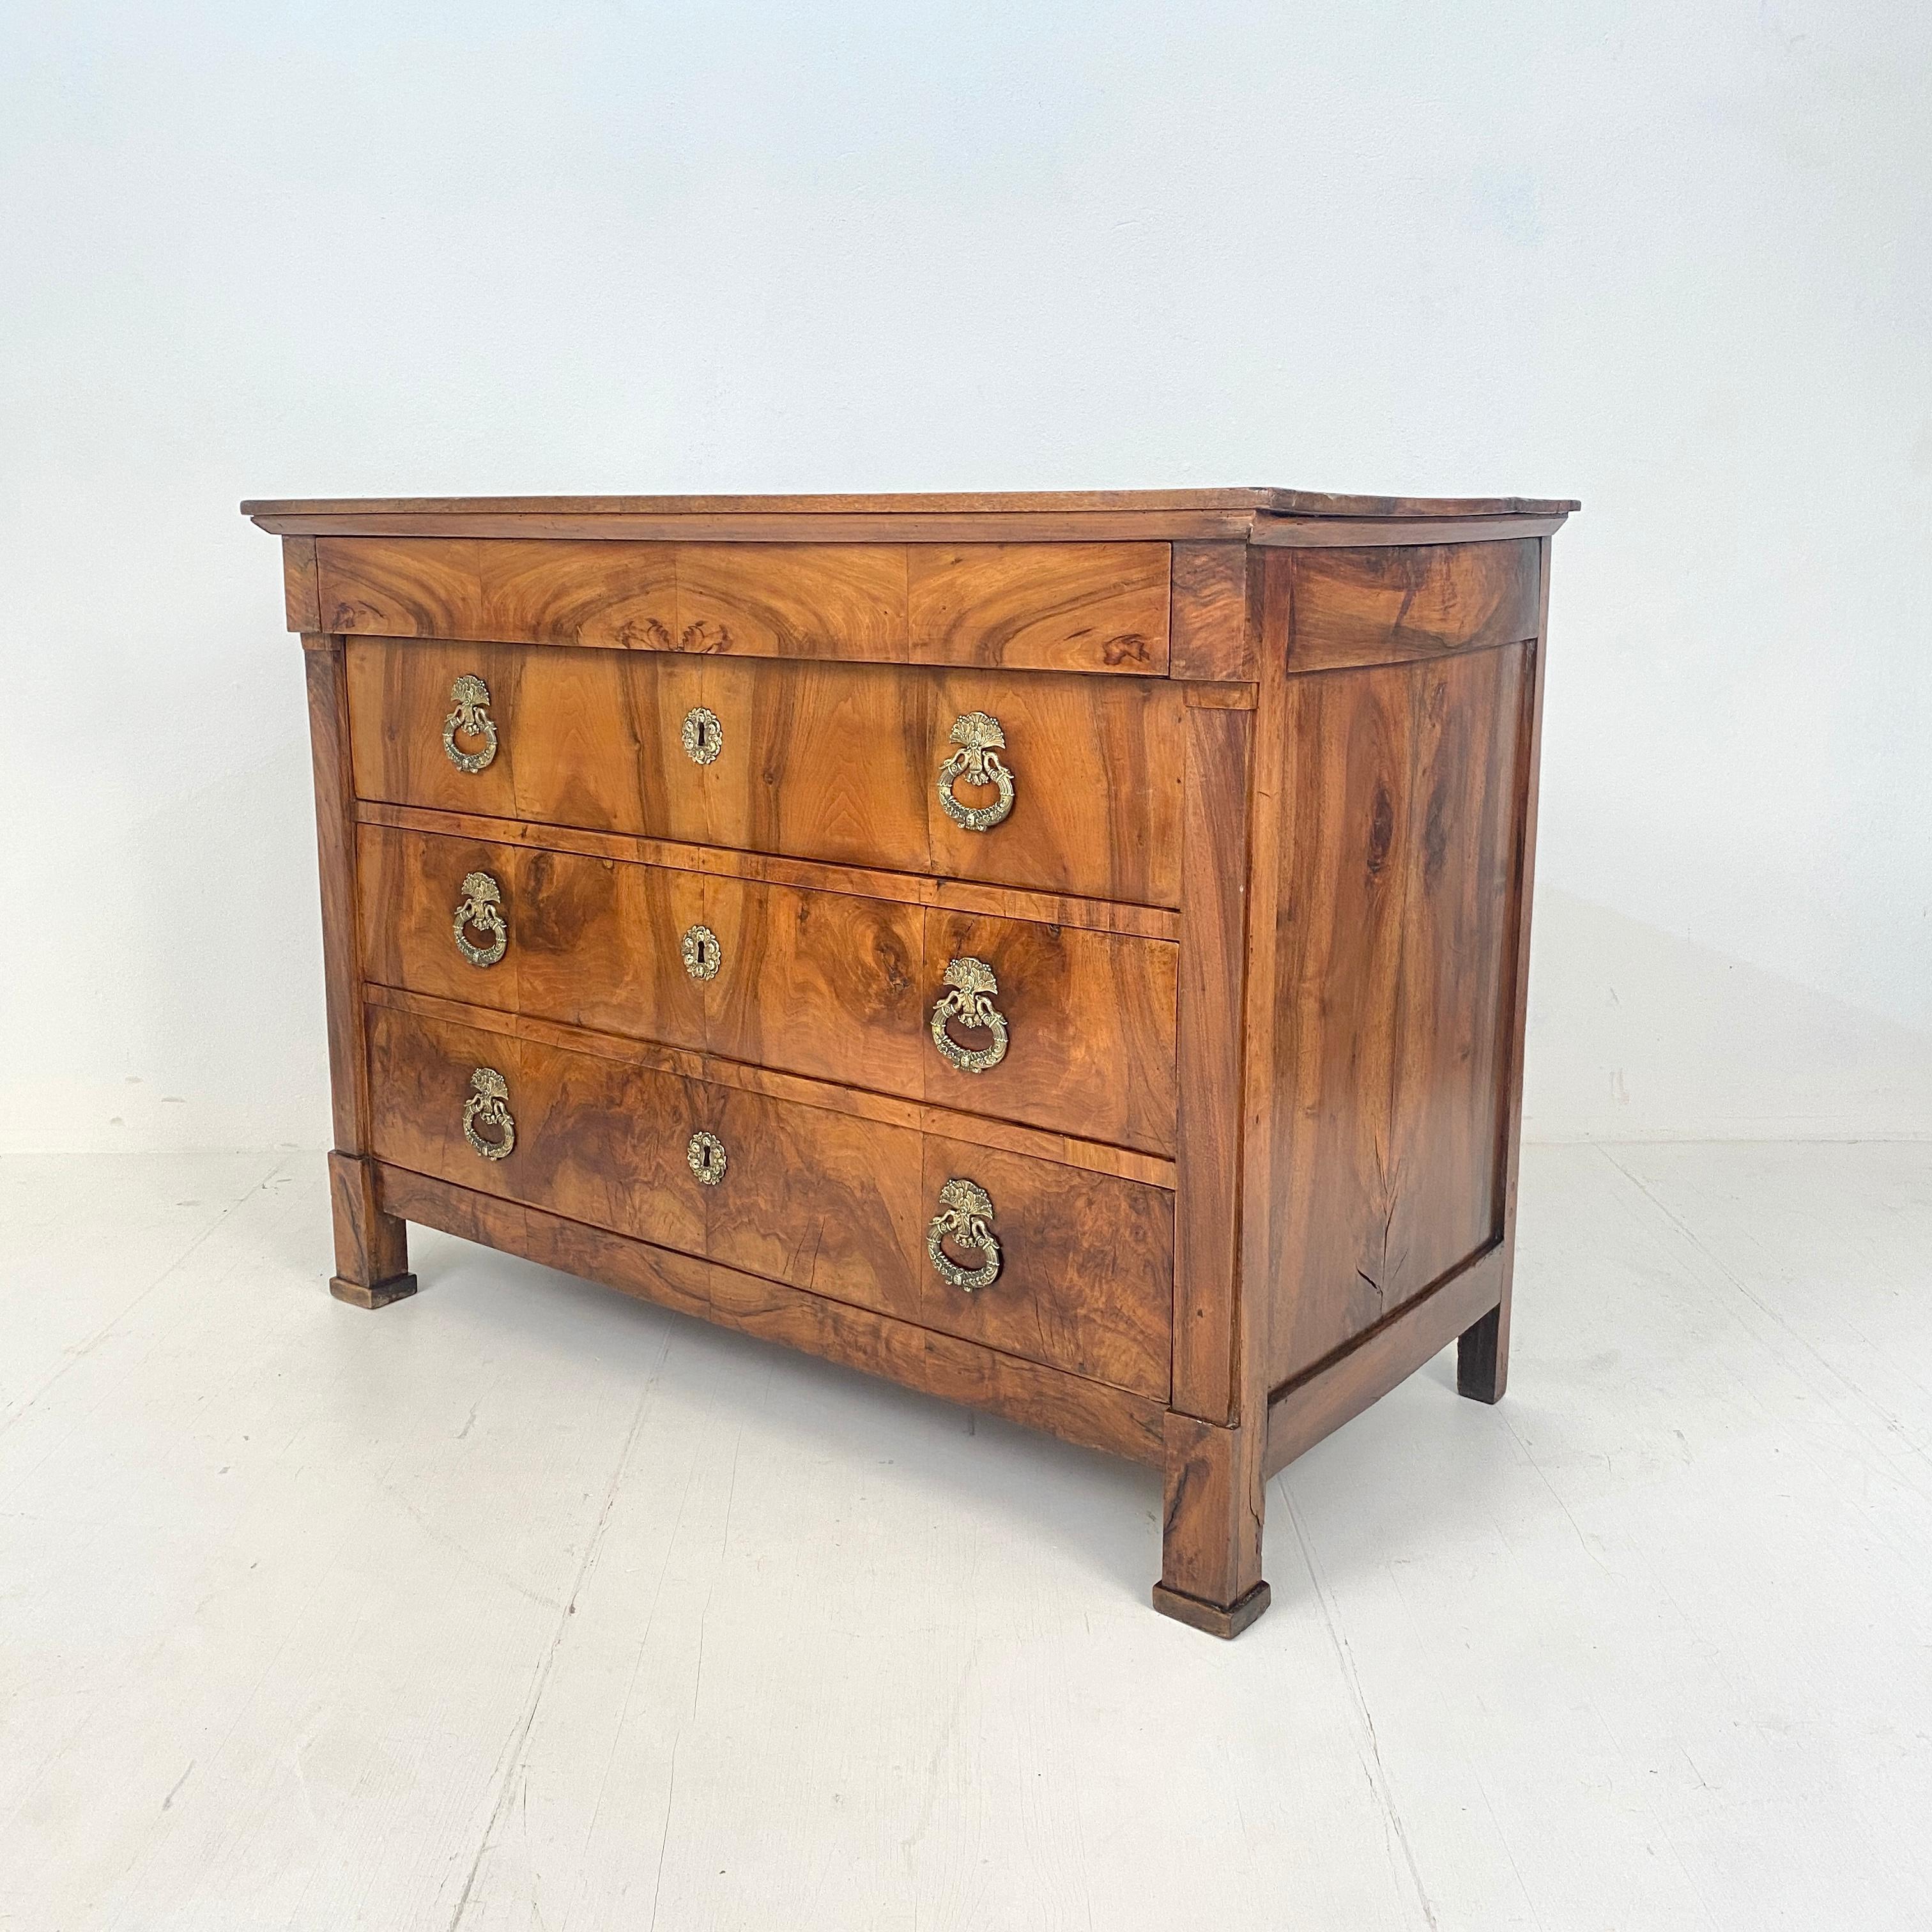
1066,953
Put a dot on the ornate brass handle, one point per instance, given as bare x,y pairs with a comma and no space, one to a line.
980,741
481,896
702,954
489,1104
971,981
964,1217
703,735
705,1154
469,694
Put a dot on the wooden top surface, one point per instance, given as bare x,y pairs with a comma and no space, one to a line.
1149,513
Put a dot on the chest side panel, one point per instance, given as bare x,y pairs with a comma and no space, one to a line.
1385,929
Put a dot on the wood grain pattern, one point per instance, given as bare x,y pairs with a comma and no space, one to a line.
1040,607
1091,1414
1362,607
409,888
820,761
833,762
568,732
371,1247
300,598
326,675
763,527
1090,1020
1372,533
1096,766
1207,1309
1210,1570
817,1199
613,596
372,1257
577,734
809,875
590,942
600,946
399,697
1482,1358
1035,1143
1214,637
1078,607
824,984
1087,1267
840,601
1258,918
401,587
1338,1388
1392,817
597,1140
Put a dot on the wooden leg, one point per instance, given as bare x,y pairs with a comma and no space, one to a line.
372,1253
1482,1356
1210,1571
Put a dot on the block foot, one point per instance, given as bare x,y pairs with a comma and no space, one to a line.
1482,1358
384,1292
1216,1619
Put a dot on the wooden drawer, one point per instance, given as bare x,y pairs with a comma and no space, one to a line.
1087,607
833,985
828,761
838,1204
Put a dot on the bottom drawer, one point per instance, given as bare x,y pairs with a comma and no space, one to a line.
1062,1267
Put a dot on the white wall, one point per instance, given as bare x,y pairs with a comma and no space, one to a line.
1671,259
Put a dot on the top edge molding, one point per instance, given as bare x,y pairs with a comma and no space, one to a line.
1139,508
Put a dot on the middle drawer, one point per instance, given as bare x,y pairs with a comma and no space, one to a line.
1052,1026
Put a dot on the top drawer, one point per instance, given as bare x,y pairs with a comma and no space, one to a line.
1091,606
1058,783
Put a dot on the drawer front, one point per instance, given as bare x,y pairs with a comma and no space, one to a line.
848,1208
1052,781
1088,1020
490,728
585,942
597,1140
1050,1026
1084,607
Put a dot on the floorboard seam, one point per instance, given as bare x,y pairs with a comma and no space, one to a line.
1372,1761
513,1749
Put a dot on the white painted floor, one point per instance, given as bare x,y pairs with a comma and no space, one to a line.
520,1604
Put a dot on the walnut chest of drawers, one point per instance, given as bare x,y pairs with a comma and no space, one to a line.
1066,953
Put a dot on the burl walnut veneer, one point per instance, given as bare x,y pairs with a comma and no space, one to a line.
1066,953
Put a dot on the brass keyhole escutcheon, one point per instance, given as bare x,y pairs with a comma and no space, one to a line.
470,718
489,1106
968,1003
703,953
977,761
702,734
705,1153
965,1219
480,908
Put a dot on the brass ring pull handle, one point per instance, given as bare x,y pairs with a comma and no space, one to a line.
481,896
491,1105
971,981
703,953
703,735
980,741
469,694
705,1153
965,1213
